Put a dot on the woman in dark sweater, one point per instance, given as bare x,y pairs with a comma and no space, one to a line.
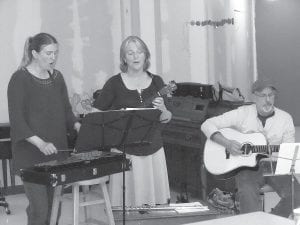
40,116
147,182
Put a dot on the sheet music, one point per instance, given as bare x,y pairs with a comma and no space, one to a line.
138,108
189,207
191,210
116,128
187,204
95,110
285,157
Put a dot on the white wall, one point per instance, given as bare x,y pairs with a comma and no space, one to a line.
205,54
89,33
175,15
278,52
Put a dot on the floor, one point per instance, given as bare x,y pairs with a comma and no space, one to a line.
18,203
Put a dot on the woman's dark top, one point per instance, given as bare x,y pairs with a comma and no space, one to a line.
38,107
115,95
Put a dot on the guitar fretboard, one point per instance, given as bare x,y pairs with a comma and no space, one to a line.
261,148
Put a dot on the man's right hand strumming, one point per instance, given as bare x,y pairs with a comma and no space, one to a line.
232,146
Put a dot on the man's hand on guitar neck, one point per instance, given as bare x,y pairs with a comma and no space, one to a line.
232,146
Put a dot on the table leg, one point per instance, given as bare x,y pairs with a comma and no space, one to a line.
55,204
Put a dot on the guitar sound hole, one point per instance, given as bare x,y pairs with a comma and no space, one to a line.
246,149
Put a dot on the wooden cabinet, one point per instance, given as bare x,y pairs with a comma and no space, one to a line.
184,169
183,149
183,133
184,144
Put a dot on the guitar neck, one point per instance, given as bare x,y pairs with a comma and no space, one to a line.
146,103
265,148
168,89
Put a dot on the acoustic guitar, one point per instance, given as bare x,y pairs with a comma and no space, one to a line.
218,161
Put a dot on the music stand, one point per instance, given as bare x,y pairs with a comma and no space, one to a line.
120,129
287,164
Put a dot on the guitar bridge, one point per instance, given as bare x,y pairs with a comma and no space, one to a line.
227,154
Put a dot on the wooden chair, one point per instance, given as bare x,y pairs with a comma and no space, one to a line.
77,203
263,190
6,157
85,187
268,167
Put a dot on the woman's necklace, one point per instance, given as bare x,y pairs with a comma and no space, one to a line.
37,72
137,81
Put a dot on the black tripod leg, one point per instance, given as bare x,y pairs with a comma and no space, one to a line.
4,204
124,188
123,198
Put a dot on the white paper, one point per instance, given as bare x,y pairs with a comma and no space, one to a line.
188,204
285,158
138,108
191,209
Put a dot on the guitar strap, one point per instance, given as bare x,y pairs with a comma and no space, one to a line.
157,91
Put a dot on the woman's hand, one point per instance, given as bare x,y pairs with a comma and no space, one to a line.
77,126
94,110
47,148
158,103
165,115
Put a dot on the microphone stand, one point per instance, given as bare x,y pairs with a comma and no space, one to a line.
292,172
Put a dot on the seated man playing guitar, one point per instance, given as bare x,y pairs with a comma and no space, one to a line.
261,118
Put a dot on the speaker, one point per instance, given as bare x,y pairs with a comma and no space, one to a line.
197,90
188,108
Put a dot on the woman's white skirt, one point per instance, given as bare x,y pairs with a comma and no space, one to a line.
146,183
